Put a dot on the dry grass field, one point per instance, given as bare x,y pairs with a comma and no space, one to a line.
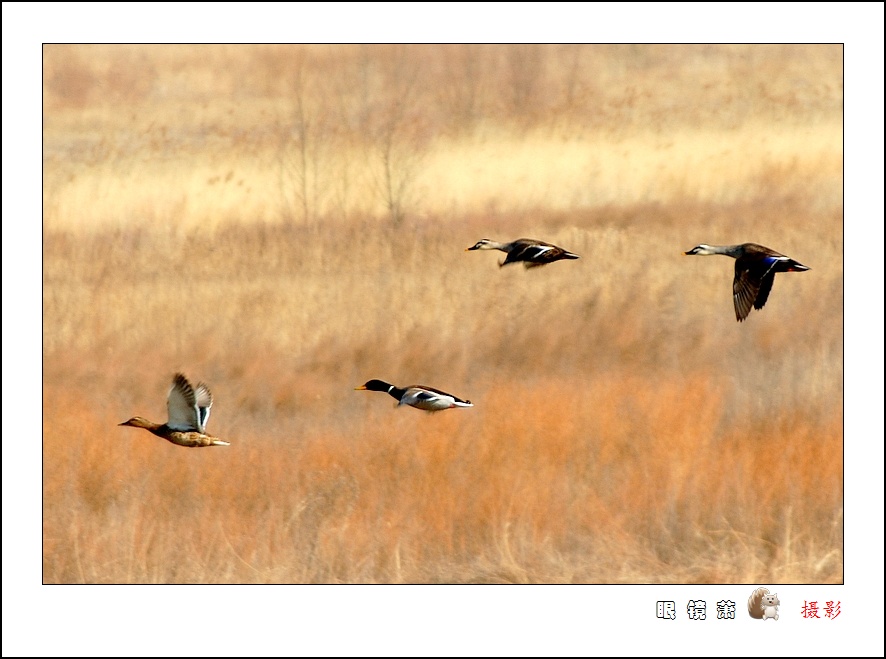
285,223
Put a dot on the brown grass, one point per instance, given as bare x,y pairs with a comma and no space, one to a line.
221,211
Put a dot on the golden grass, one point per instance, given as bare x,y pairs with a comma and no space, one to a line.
625,428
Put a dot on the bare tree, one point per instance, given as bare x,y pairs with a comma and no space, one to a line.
399,138
304,145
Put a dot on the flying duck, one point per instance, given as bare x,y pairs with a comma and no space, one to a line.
755,268
420,396
188,413
532,253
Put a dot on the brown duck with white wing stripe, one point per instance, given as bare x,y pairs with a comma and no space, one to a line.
188,409
532,253
755,268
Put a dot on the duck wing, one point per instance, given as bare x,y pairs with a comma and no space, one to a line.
431,399
535,252
753,281
530,252
431,393
540,252
204,403
420,395
765,287
745,288
181,403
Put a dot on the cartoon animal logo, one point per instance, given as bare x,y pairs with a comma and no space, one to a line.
763,605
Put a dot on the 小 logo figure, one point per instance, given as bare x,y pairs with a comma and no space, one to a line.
763,605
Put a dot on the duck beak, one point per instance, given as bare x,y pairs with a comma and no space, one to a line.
360,388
